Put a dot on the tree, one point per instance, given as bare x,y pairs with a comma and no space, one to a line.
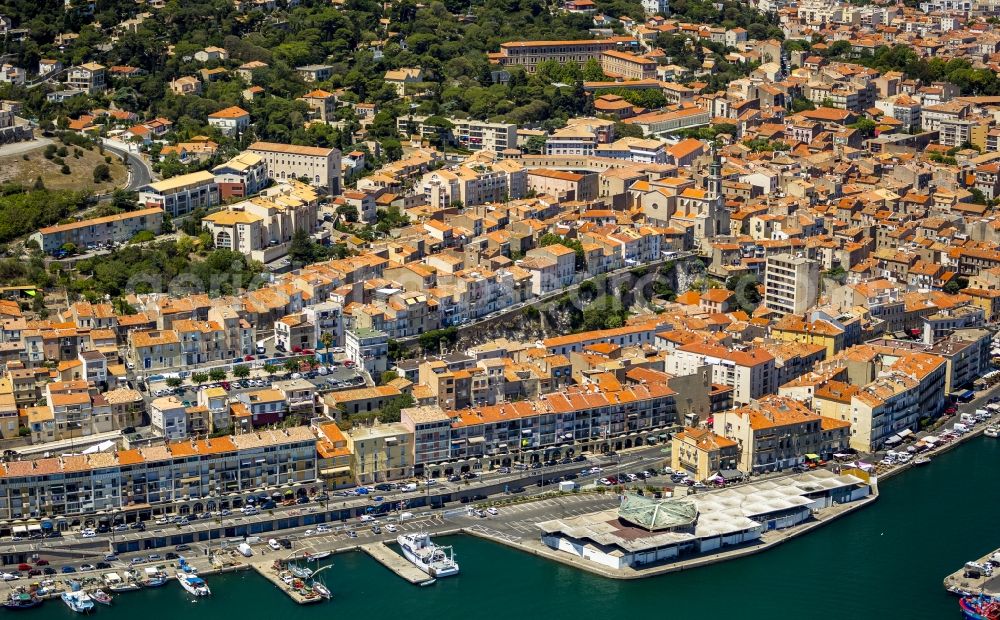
535,145
241,372
592,71
292,365
864,126
102,173
388,376
301,251
326,339
270,369
199,378
217,374
174,382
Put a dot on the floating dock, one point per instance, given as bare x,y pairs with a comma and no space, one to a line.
396,563
976,577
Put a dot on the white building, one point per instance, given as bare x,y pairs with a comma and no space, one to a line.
791,283
167,416
369,349
319,166
182,194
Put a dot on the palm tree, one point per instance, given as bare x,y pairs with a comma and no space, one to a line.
327,339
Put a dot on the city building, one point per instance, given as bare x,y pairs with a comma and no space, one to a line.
182,194
99,230
317,166
791,283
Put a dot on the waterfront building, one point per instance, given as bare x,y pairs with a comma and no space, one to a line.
701,453
178,477
644,531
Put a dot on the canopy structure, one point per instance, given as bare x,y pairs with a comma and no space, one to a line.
652,514
812,457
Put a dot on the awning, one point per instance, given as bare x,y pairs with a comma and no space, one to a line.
905,432
812,457
893,440
474,440
333,471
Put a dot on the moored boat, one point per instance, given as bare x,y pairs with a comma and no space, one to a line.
980,607
321,589
992,431
922,460
100,596
300,571
316,557
154,578
78,601
193,584
22,600
421,552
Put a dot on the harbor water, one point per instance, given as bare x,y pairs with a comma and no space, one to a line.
885,561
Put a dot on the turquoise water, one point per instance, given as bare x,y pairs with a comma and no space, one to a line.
885,561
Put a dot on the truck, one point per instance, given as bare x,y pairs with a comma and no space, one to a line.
567,486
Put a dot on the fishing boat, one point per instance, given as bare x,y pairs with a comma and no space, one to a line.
79,601
316,557
980,607
300,571
100,596
22,600
154,578
193,584
115,583
922,460
421,552
992,431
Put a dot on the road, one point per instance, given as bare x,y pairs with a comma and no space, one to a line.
140,172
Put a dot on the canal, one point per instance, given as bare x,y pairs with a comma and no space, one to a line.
885,561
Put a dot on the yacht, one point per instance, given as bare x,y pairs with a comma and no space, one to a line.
193,584
421,552
79,601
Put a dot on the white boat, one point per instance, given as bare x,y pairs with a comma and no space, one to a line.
421,552
78,601
321,589
300,571
992,431
316,557
922,460
100,596
154,577
115,583
194,584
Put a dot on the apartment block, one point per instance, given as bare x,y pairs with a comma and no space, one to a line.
791,283
181,194
99,230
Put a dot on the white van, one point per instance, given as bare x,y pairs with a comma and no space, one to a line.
409,487
245,550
